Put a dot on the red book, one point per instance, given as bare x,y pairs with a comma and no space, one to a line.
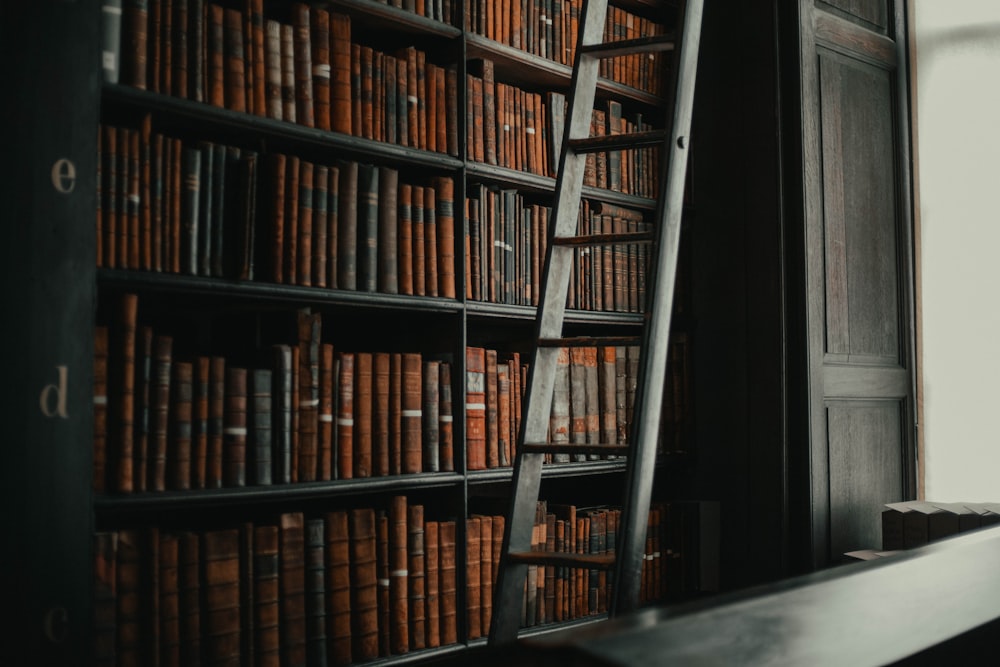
345,417
475,408
338,587
399,632
448,583
411,414
431,406
255,11
445,189
364,586
451,92
362,414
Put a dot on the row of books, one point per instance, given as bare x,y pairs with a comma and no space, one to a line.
191,207
305,69
549,29
436,10
335,588
913,523
301,412
506,241
522,130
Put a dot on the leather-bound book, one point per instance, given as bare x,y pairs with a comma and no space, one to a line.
303,65
215,55
411,413
121,380
445,189
365,72
338,587
503,414
357,102
100,394
288,104
430,243
473,578
413,94
486,578
592,413
387,228
266,596
422,124
128,583
189,596
293,465
475,132
309,342
327,396
559,421
451,110
290,241
475,408
169,595
431,416
333,224
340,80
191,167
345,416
417,577
179,443
216,422
260,440
368,224
254,10
405,239
133,199
316,608
380,413
484,69
281,414
220,577
383,569
395,413
431,115
206,219
432,587
606,369
441,116
272,69
418,246
446,426
492,410
234,63
155,470
364,592
320,225
179,46
165,38
304,225
363,403
107,202
378,96
275,175
402,100
123,188
347,227
234,442
390,103
448,583
399,631
105,607
293,587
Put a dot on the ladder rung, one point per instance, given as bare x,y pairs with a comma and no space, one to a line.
613,449
604,239
589,341
618,142
593,561
625,47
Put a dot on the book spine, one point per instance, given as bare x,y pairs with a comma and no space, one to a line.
417,598
261,425
345,417
273,70
364,586
181,397
363,404
431,416
220,562
340,84
473,576
152,470
302,55
399,632
235,429
411,413
432,584
315,591
380,413
388,226
448,582
338,587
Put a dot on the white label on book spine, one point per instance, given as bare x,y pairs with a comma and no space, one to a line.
345,421
234,430
412,413
475,406
447,419
326,418
321,70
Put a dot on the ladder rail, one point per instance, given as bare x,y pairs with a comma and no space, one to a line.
656,334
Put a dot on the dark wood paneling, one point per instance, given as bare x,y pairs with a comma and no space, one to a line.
865,470
859,211
875,13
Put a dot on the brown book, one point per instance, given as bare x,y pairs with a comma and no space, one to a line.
122,389
486,577
216,422
179,46
304,225
417,577
333,224
431,115
430,243
165,38
445,189
145,237
288,103
234,442
293,587
266,596
418,247
309,371
404,239
431,416
441,116
128,586
319,22
320,224
303,65
290,240
189,586
448,583
169,601
446,431
220,581
179,442
338,587
380,414
363,403
413,94
402,100
422,124
328,382
345,416
108,218
592,411
384,598
347,227
492,409
476,131
560,419
100,393
105,605
399,632
503,415
356,95
234,79
451,111
144,418
475,408
272,69
395,413
367,92
316,608
276,174
412,446
388,226
606,383
254,10
340,83
132,200
473,578
215,55
432,608
364,586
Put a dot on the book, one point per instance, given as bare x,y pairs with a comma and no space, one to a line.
105,613
315,592
364,596
399,631
293,589
430,416
340,75
448,582
281,414
446,432
345,416
151,465
432,586
387,230
368,227
338,587
380,413
259,435
411,413
416,577
235,428
473,585
363,408
179,444
475,408
220,576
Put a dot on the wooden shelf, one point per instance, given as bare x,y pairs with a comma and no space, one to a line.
506,311
387,17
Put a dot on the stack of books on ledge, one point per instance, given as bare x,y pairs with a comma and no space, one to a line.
914,523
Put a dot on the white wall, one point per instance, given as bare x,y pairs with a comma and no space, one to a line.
958,130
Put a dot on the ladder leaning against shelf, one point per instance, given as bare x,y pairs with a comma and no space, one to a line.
516,555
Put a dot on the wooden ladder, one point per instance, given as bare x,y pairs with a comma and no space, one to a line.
516,554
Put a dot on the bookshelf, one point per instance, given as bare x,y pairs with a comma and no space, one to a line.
183,328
